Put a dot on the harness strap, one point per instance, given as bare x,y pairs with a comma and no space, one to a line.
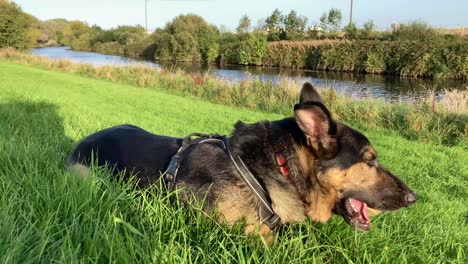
264,210
171,172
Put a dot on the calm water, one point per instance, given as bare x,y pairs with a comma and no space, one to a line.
357,85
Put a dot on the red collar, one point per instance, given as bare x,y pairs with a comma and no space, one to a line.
282,164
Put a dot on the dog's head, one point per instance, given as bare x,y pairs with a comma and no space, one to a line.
346,175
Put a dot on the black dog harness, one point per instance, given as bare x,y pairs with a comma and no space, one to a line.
264,210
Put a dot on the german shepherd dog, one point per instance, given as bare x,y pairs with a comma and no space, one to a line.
310,165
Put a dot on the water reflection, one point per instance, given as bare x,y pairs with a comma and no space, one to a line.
88,57
357,85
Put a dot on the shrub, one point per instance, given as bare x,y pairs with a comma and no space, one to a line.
253,49
109,48
143,48
415,31
83,42
249,51
297,54
187,38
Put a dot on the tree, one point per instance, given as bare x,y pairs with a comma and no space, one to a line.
51,31
83,42
260,25
369,26
128,34
273,22
351,31
331,22
208,38
16,27
294,24
244,25
74,30
368,30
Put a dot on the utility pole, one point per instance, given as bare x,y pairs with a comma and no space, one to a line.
351,13
146,16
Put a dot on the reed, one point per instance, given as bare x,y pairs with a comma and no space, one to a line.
435,59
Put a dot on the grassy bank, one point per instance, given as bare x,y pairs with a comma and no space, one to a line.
46,215
443,122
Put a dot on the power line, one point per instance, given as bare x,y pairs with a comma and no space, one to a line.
146,15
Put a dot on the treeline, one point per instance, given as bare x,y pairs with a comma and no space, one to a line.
280,40
413,49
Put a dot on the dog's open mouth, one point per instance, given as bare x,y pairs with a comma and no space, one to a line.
357,214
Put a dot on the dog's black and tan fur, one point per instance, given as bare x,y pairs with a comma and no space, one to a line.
332,167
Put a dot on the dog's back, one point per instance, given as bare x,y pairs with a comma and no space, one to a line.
125,148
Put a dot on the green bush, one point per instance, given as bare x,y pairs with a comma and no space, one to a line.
83,42
249,51
376,59
143,48
297,54
415,31
109,48
253,49
346,57
187,38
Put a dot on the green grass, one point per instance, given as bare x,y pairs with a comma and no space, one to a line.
46,215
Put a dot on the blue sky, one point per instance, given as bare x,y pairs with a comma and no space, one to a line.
110,13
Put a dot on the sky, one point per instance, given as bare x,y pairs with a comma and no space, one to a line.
111,13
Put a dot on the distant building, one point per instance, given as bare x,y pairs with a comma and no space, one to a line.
274,29
316,28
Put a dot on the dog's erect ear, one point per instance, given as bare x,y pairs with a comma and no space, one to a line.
309,94
314,119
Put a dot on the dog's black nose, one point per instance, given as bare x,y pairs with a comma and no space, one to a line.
411,198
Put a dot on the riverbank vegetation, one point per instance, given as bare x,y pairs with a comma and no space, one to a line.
280,40
47,215
442,59
443,121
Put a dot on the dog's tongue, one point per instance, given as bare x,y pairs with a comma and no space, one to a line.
360,208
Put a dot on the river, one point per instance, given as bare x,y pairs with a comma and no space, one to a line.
358,85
